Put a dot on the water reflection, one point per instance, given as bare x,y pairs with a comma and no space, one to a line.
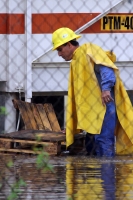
124,180
74,178
109,181
90,180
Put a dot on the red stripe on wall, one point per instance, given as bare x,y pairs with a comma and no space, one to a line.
47,23
12,23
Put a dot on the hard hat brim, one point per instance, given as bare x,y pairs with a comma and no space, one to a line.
61,43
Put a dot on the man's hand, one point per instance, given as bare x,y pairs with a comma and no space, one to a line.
106,97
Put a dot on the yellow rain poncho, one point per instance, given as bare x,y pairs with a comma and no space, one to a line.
85,110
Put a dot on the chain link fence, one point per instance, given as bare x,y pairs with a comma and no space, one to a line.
45,100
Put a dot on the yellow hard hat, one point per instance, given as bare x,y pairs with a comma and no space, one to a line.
62,36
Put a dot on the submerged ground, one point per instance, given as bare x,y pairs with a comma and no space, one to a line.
71,178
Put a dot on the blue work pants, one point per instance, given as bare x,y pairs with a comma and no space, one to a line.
103,144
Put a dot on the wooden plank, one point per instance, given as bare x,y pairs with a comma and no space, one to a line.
25,141
44,135
14,101
54,148
50,147
31,116
24,151
5,144
52,117
44,117
37,117
24,114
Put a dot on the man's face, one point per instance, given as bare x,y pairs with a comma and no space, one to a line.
65,51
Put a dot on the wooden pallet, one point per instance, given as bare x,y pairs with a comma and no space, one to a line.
41,130
49,141
37,116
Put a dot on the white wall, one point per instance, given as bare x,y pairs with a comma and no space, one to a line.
16,50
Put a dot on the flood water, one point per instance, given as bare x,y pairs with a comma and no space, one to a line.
72,178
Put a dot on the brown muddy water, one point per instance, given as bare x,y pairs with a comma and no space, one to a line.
72,178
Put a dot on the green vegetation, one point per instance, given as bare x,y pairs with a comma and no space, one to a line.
3,110
15,189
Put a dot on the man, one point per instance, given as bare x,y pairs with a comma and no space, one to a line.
95,92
